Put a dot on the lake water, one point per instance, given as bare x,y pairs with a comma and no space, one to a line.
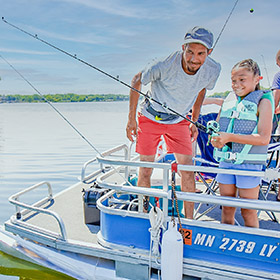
36,145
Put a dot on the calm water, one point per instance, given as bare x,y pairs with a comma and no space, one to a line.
36,145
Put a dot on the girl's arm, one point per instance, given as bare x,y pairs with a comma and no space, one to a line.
259,139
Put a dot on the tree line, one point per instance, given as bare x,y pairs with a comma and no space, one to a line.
72,97
220,94
224,94
69,97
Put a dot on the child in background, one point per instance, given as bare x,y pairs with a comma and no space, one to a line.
245,124
276,92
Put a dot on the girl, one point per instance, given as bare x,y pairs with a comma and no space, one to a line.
245,123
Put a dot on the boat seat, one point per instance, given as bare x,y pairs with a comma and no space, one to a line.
210,186
205,158
273,161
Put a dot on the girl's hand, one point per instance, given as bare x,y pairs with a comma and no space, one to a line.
220,140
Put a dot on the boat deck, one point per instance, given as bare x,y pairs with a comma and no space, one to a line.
69,206
85,239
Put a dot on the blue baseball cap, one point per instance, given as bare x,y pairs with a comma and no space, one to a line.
200,35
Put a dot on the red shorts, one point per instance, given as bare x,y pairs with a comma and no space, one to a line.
177,137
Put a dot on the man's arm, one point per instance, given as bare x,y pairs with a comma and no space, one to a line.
131,128
197,105
195,113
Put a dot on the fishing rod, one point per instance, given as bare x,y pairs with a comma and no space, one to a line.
266,71
224,26
197,124
47,101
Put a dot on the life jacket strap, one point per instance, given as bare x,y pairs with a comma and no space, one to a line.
238,158
239,115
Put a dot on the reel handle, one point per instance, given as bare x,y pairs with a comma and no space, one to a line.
212,128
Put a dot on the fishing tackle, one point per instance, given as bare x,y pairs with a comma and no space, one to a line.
197,124
213,128
83,137
225,23
266,71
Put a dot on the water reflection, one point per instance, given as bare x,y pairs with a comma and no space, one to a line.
37,145
11,266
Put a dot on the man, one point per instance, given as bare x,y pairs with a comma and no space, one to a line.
180,81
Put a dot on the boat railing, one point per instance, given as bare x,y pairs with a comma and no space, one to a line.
112,152
269,174
36,207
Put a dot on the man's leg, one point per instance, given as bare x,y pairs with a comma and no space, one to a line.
144,180
144,176
148,137
187,182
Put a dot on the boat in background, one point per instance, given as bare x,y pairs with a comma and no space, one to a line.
97,229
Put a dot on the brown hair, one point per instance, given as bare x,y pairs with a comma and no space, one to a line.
278,56
251,66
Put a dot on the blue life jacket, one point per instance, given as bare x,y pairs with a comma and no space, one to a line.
239,116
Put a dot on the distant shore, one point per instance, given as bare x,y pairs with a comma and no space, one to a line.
69,97
73,97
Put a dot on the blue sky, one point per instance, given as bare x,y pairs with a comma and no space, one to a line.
122,36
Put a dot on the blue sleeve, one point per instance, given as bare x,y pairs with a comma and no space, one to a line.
276,81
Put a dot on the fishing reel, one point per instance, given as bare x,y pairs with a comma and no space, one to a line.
212,128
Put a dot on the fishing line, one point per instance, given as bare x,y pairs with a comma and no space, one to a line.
197,124
47,101
266,71
222,30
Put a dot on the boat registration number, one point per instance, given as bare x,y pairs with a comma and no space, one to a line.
233,243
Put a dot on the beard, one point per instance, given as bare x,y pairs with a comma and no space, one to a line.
193,69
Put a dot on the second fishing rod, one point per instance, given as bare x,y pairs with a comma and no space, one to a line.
210,130
74,56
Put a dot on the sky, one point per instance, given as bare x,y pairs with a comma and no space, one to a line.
122,36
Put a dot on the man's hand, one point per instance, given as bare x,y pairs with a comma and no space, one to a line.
131,129
277,110
194,132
